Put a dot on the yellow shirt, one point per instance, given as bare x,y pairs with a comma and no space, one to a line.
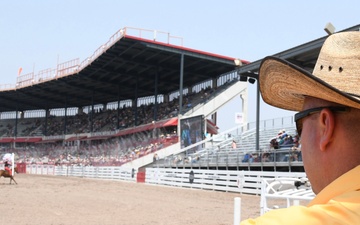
338,203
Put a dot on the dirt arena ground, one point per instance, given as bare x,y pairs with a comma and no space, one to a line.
50,200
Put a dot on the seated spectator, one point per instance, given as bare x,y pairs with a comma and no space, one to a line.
196,159
274,144
296,152
288,142
155,157
266,157
177,159
255,157
233,144
247,158
187,159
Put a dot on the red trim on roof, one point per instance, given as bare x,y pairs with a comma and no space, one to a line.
75,138
6,140
27,139
211,127
145,127
20,140
185,49
211,123
50,140
171,122
99,137
34,139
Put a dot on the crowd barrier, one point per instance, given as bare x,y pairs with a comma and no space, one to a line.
269,185
106,172
247,182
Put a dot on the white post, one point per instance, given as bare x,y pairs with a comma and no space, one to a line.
263,200
244,105
237,210
12,163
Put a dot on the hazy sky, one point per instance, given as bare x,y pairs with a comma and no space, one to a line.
36,35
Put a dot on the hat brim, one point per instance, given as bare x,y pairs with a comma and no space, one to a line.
285,85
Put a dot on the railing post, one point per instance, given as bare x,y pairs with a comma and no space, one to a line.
237,210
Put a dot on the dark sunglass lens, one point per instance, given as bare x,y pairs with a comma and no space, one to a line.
299,126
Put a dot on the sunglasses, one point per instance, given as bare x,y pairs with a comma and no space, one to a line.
298,118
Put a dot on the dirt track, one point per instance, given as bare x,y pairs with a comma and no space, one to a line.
38,200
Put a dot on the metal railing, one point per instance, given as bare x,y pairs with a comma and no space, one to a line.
234,158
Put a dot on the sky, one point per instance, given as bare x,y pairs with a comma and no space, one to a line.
39,34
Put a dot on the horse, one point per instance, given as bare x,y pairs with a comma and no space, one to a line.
5,173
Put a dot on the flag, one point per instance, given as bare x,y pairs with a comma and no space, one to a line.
20,70
239,118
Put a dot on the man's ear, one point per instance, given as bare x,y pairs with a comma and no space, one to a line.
327,127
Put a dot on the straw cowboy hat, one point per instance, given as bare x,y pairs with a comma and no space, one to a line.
335,78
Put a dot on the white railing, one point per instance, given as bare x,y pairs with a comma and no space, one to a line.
248,182
290,190
269,185
111,173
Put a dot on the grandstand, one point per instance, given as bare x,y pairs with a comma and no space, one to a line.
112,106
125,104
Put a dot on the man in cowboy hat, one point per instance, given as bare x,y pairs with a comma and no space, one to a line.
328,122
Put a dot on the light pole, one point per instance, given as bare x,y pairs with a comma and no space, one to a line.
251,78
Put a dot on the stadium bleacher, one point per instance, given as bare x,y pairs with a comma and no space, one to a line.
92,134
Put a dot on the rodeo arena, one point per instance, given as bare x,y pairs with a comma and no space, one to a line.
143,109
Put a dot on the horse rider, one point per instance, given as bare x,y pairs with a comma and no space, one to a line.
8,167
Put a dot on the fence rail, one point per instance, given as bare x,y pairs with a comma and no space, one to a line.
247,182
110,173
269,185
285,157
